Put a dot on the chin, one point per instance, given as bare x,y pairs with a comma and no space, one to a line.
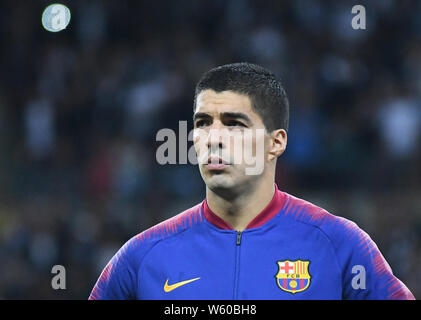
225,187
219,182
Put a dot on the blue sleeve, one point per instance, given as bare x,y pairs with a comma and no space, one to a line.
118,279
365,272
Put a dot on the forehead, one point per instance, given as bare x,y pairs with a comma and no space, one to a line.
212,102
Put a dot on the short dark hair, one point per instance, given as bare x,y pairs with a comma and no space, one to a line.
266,93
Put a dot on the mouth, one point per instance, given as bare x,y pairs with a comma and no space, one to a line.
216,163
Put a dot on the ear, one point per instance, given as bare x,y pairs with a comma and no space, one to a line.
277,143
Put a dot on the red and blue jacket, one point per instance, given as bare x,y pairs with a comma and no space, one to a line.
292,250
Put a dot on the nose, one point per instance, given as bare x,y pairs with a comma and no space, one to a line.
215,140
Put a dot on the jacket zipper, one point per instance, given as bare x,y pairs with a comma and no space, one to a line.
238,238
237,263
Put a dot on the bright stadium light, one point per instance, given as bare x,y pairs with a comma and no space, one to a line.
55,17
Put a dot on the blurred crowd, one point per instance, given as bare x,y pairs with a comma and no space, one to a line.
80,110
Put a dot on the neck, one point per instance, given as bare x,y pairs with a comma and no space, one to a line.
239,210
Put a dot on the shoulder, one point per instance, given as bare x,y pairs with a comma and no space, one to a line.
172,226
142,242
353,247
339,230
118,280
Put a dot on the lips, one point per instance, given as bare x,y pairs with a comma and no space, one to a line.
216,163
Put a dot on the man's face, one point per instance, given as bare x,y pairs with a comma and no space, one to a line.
228,130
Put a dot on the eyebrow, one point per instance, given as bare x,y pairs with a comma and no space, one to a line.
234,115
200,115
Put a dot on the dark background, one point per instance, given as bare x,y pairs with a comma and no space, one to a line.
80,109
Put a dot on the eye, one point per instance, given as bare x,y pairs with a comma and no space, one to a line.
200,123
235,123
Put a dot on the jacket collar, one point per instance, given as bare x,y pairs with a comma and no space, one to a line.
274,206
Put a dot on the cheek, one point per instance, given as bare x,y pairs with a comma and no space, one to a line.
199,140
237,145
246,145
255,144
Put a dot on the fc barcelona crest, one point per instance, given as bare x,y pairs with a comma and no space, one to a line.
293,276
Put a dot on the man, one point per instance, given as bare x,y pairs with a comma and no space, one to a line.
247,239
